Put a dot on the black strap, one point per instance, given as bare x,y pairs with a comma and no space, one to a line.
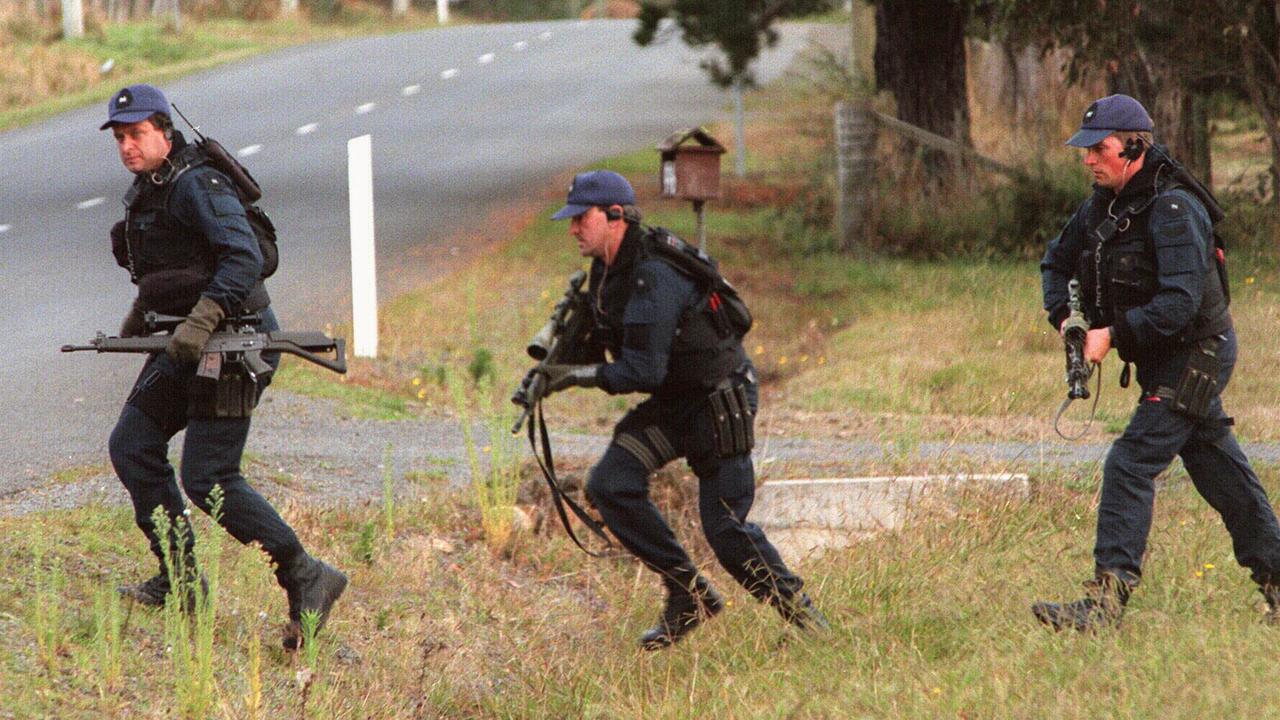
1093,411
558,495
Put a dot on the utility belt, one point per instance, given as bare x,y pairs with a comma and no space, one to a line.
1198,384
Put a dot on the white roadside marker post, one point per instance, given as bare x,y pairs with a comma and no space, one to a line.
364,278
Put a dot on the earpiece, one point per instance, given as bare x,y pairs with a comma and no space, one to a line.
1133,149
612,214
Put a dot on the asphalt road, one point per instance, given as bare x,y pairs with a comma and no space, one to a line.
461,119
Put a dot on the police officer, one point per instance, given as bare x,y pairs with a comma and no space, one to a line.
649,318
1153,288
189,248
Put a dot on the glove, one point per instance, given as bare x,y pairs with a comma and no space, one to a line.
190,336
135,323
560,377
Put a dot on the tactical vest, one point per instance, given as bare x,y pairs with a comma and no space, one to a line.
703,352
1121,272
171,263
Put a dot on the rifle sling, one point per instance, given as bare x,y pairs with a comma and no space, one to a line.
558,495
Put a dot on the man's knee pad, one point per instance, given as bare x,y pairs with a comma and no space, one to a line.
619,473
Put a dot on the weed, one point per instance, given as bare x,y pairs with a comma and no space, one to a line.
388,498
107,639
481,366
47,617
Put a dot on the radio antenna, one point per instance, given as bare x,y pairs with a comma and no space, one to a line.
194,129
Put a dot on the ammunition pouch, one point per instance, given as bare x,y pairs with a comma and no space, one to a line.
233,395
732,421
1198,385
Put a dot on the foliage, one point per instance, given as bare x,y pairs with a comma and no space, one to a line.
1164,46
739,30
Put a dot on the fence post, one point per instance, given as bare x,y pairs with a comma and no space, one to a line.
364,276
856,128
72,19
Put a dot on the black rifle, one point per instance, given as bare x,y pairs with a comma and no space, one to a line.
236,341
557,341
1074,331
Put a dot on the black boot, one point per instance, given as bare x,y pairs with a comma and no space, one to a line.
153,591
310,584
687,606
1101,607
1272,593
800,611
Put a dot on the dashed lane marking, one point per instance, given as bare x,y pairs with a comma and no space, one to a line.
410,90
91,202
485,59
248,150
545,36
5,228
366,108
446,74
306,129
518,46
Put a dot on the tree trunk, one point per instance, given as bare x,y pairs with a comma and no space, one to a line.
920,58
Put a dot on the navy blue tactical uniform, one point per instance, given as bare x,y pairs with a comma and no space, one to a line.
1158,285
639,302
673,328
188,245
186,227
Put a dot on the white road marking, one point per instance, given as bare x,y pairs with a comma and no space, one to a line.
91,202
366,108
545,36
446,74
248,150
306,129
410,90
521,45
485,59
5,228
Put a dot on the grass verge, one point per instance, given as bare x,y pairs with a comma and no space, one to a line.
930,621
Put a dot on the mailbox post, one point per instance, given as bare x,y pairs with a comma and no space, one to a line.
690,170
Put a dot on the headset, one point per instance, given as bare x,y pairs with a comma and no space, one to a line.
611,214
1133,149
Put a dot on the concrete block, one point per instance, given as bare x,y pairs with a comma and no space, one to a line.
802,517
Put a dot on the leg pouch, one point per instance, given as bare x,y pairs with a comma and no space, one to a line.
732,422
1198,385
160,393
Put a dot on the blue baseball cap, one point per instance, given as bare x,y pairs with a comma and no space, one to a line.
1110,114
135,104
596,188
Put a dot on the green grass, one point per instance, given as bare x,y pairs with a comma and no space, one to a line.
930,621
